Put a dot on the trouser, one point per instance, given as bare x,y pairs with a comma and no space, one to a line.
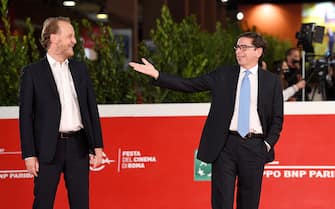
241,163
71,159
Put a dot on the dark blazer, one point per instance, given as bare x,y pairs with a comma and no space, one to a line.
222,83
40,109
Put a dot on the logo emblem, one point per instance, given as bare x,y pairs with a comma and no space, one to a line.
105,161
202,171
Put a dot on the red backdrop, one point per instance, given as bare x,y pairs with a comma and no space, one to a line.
150,163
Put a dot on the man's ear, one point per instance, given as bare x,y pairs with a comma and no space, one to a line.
53,38
259,52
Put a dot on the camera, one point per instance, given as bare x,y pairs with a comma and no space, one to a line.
318,68
309,33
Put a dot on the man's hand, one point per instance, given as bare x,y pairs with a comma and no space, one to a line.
147,68
96,160
32,165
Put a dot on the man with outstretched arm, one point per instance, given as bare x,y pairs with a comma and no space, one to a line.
243,124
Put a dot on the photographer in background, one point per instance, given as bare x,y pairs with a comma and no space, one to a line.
293,58
293,74
289,91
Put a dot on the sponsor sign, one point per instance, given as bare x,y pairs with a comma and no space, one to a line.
150,160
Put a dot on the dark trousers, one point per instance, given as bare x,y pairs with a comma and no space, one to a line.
71,159
240,163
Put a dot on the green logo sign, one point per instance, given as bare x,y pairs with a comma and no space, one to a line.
202,171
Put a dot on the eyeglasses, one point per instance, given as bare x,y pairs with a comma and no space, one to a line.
243,47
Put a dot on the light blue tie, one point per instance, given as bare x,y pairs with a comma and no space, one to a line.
244,106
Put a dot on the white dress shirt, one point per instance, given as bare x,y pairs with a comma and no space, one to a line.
254,121
70,111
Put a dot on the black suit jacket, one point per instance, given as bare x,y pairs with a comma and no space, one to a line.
40,109
222,83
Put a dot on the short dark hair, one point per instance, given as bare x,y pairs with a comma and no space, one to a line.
257,40
50,26
290,51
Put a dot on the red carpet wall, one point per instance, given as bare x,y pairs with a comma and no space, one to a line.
150,161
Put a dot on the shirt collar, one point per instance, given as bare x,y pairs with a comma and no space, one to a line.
252,70
53,62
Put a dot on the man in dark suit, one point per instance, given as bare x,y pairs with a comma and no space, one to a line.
239,134
59,121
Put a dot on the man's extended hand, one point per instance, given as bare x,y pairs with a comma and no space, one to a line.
147,68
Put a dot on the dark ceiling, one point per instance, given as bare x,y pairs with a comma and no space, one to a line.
274,1
37,10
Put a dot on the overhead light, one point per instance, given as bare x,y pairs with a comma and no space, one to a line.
102,14
239,16
68,3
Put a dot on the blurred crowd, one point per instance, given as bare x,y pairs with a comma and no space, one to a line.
318,82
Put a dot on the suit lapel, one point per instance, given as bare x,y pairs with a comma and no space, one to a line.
236,73
260,96
261,86
49,76
75,77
